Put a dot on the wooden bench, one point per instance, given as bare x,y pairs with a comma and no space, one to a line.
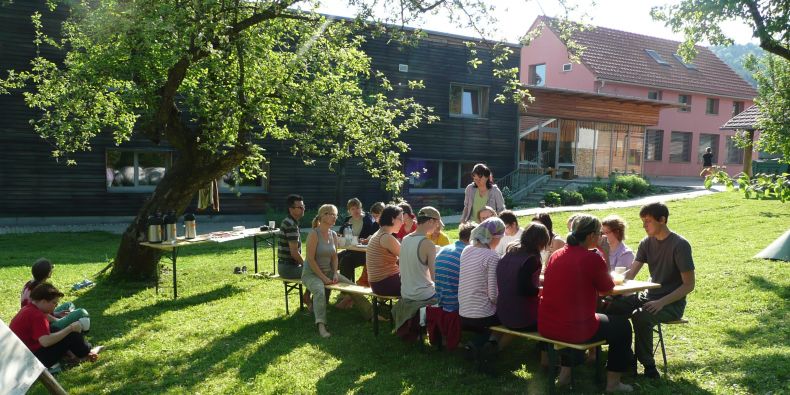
552,351
366,291
291,285
657,329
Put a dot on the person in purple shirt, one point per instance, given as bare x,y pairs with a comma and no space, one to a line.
613,229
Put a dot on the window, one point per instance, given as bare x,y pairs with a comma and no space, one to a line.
654,141
734,153
712,106
680,147
685,99
537,74
686,65
438,175
233,181
705,141
737,107
136,170
654,95
468,101
567,67
653,54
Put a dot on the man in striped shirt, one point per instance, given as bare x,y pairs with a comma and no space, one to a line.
289,245
448,263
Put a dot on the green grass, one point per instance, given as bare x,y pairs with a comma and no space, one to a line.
229,334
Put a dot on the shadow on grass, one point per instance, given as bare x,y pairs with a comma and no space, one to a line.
771,330
773,214
757,374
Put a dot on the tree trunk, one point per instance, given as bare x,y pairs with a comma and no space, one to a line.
747,154
174,192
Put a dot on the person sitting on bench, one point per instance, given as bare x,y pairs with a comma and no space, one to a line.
575,277
32,327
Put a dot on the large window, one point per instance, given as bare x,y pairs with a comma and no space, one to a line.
734,154
705,141
680,147
233,181
136,170
654,142
537,74
685,99
438,175
468,101
712,106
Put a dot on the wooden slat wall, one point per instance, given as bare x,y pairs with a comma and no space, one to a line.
555,105
33,184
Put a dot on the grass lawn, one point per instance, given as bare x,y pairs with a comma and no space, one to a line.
229,333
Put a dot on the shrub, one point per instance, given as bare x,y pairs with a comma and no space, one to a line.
632,185
552,199
594,194
616,193
571,198
507,196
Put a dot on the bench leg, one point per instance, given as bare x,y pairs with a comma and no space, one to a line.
661,344
301,298
553,361
285,285
375,316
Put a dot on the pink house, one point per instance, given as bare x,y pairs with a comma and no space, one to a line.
636,66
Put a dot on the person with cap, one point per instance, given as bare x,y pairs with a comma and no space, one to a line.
417,267
575,277
477,287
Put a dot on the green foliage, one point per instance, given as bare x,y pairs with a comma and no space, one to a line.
760,186
507,195
773,101
594,194
552,199
735,56
632,185
571,198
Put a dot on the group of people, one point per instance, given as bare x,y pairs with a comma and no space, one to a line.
497,273
51,331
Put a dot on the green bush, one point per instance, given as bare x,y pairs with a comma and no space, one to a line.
571,198
594,194
632,185
617,193
552,199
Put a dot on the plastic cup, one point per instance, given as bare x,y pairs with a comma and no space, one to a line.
271,224
620,270
85,322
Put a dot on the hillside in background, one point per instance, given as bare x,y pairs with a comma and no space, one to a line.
734,57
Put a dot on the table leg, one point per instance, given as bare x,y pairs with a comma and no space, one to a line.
286,298
175,283
375,316
255,252
273,240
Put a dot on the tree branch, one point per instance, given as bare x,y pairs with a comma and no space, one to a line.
766,41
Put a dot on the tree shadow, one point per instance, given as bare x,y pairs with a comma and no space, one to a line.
770,331
773,214
756,374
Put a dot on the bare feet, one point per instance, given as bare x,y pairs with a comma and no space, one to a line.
619,387
345,303
322,331
307,301
564,378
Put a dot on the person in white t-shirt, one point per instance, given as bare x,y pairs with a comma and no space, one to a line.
512,231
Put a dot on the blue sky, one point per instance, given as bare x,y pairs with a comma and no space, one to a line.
515,17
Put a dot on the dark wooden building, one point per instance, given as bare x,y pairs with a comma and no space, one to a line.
114,181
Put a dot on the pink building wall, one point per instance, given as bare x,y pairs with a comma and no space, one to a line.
547,48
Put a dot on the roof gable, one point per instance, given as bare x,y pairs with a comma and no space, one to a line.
619,56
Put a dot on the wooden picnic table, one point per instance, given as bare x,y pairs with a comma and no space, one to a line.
627,287
268,236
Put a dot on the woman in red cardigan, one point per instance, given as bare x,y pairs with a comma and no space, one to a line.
575,277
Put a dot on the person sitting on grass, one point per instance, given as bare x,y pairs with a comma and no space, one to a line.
63,315
321,267
574,279
32,327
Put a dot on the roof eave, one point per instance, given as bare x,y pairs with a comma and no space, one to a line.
675,89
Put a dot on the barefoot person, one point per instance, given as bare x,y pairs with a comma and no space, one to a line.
575,277
668,257
32,327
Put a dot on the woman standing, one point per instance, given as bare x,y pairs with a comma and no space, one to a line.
481,193
383,271
321,269
575,277
620,255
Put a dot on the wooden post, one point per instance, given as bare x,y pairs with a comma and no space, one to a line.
51,384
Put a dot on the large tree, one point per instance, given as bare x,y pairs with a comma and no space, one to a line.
213,78
770,20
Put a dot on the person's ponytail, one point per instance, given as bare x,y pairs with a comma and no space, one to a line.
583,225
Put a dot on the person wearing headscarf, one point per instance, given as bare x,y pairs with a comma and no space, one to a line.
575,277
477,286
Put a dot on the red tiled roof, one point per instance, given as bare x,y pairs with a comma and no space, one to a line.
615,55
746,120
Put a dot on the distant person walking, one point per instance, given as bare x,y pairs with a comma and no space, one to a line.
707,162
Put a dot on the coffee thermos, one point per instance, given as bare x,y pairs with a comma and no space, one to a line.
190,227
171,230
154,229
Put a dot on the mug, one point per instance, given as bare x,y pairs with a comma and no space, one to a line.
620,269
271,225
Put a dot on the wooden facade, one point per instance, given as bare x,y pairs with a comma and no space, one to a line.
35,185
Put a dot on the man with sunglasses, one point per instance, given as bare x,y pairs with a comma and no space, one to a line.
289,245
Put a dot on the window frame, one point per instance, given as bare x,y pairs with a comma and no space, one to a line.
686,103
136,188
263,189
701,148
660,133
712,106
690,138
729,146
739,104
533,72
657,93
483,97
458,167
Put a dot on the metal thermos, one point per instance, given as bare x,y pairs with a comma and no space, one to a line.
190,226
154,229
171,230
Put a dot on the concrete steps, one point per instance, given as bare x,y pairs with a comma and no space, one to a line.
533,199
